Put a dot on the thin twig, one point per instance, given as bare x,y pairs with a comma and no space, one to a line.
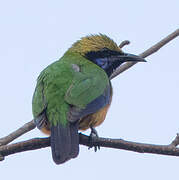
146,53
175,142
22,130
38,143
124,43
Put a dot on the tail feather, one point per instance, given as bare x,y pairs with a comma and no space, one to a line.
74,139
64,142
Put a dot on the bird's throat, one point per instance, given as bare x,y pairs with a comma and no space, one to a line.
112,67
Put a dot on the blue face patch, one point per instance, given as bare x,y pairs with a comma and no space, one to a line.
102,62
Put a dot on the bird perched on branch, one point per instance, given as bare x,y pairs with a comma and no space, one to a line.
74,93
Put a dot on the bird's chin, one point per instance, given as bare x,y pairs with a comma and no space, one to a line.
112,68
109,71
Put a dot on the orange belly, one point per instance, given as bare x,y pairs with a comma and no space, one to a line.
94,119
46,128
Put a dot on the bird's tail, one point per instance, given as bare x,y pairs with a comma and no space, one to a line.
64,142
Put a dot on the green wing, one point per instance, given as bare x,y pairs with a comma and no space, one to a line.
51,87
86,87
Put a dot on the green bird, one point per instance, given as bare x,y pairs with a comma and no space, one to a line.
75,92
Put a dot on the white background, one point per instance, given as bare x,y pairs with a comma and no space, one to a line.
33,34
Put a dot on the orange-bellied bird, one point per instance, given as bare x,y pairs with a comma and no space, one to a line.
74,93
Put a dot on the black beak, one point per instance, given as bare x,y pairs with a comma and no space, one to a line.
128,57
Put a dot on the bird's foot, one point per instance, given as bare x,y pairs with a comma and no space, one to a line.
93,135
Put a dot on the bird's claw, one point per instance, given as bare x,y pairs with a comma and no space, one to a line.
93,135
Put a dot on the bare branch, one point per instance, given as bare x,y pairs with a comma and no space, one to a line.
22,130
124,43
31,144
146,53
38,143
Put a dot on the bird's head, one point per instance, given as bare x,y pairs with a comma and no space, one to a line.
103,51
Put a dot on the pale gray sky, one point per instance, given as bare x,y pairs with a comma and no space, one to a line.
33,34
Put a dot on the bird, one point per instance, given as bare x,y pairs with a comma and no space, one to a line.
75,92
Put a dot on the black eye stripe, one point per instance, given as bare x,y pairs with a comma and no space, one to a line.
101,54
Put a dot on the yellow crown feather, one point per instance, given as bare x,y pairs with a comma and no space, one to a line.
94,43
